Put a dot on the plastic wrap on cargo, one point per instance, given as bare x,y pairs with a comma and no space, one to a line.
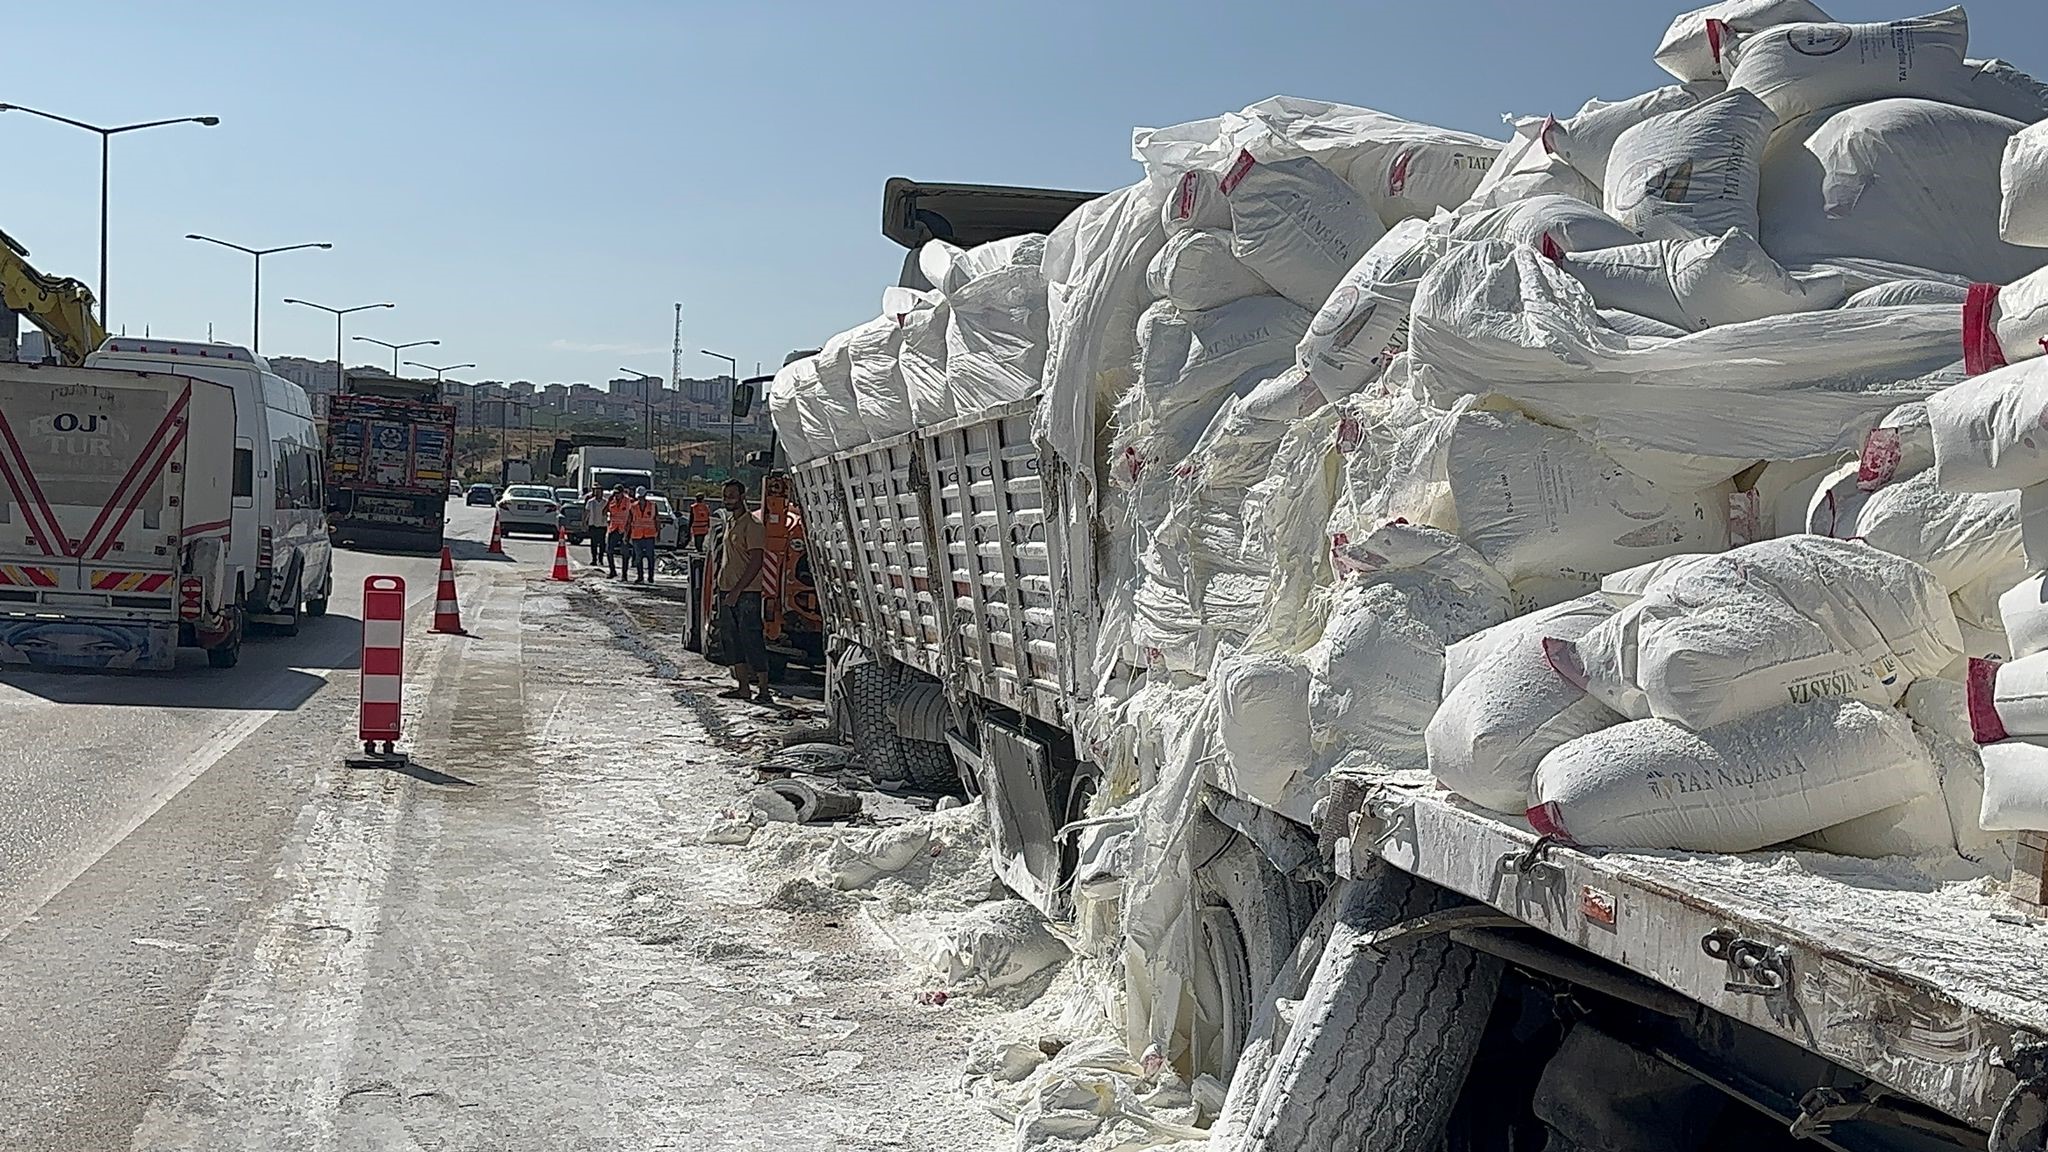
996,338
1691,172
1692,49
1095,288
1491,318
838,408
877,383
1780,621
1364,323
1197,270
1630,324
1504,706
1989,433
1800,68
1701,282
1296,223
921,358
1908,181
1739,786
783,412
2023,187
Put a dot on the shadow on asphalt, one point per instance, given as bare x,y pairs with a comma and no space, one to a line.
420,772
270,676
473,550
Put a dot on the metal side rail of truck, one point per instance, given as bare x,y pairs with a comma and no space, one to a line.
116,502
1400,969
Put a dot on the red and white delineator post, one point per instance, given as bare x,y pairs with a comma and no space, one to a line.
383,682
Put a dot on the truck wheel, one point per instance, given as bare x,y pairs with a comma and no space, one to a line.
869,693
1384,1036
228,652
1248,919
929,767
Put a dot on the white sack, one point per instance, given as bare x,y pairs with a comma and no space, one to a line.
2024,612
1800,68
1499,717
783,412
1700,282
996,339
2004,324
1415,179
1961,537
1781,621
922,361
1895,293
1364,323
1630,324
1197,270
1733,787
1094,268
1912,182
1757,512
2009,698
1488,318
1531,165
941,264
1263,723
1296,224
1691,172
2023,187
1235,347
1586,139
838,407
1991,431
877,384
1553,225
2015,786
1692,47
1997,87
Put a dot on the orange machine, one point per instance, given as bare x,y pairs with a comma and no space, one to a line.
790,620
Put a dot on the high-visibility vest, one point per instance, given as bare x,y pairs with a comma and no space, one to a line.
615,512
700,519
643,521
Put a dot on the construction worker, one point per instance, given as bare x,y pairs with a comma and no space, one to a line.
643,528
741,552
617,510
700,522
594,523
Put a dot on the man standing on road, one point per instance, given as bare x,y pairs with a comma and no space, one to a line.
616,511
643,525
741,553
594,523
700,523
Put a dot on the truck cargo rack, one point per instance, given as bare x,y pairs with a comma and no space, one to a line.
1929,1001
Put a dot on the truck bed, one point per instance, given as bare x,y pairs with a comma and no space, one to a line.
1920,984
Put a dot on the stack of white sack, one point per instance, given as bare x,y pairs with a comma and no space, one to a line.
1756,691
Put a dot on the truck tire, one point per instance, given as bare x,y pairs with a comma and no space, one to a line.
927,764
869,691
1249,917
228,652
1383,1038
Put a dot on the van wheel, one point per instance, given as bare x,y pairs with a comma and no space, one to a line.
317,606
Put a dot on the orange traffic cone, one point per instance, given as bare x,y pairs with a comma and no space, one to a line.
447,613
561,571
497,545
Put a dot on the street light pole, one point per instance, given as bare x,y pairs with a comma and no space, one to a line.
437,371
340,368
732,467
646,404
395,348
106,150
256,295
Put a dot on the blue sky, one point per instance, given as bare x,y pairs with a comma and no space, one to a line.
536,184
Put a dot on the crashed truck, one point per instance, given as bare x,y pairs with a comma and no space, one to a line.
1484,642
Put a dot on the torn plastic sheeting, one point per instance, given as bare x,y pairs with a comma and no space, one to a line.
996,338
921,359
1158,903
1489,317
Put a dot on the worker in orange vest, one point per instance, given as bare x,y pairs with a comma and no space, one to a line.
616,512
700,523
643,527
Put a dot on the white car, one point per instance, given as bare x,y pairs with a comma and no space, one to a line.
670,534
529,508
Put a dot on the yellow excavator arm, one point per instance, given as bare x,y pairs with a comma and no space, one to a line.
60,306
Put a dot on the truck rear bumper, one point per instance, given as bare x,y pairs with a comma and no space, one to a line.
75,642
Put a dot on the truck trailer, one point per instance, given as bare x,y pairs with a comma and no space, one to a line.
390,454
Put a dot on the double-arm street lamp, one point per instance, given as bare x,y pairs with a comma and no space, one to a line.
437,370
395,348
731,428
256,318
106,135
646,404
340,371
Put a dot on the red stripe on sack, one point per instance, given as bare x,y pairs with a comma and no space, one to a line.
1564,659
1238,171
1715,31
29,495
1548,820
1184,197
1981,352
1550,249
1982,684
163,461
136,469
1397,173
1879,460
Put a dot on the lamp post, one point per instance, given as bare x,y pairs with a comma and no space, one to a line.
395,348
256,293
340,370
646,404
106,136
732,467
437,371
